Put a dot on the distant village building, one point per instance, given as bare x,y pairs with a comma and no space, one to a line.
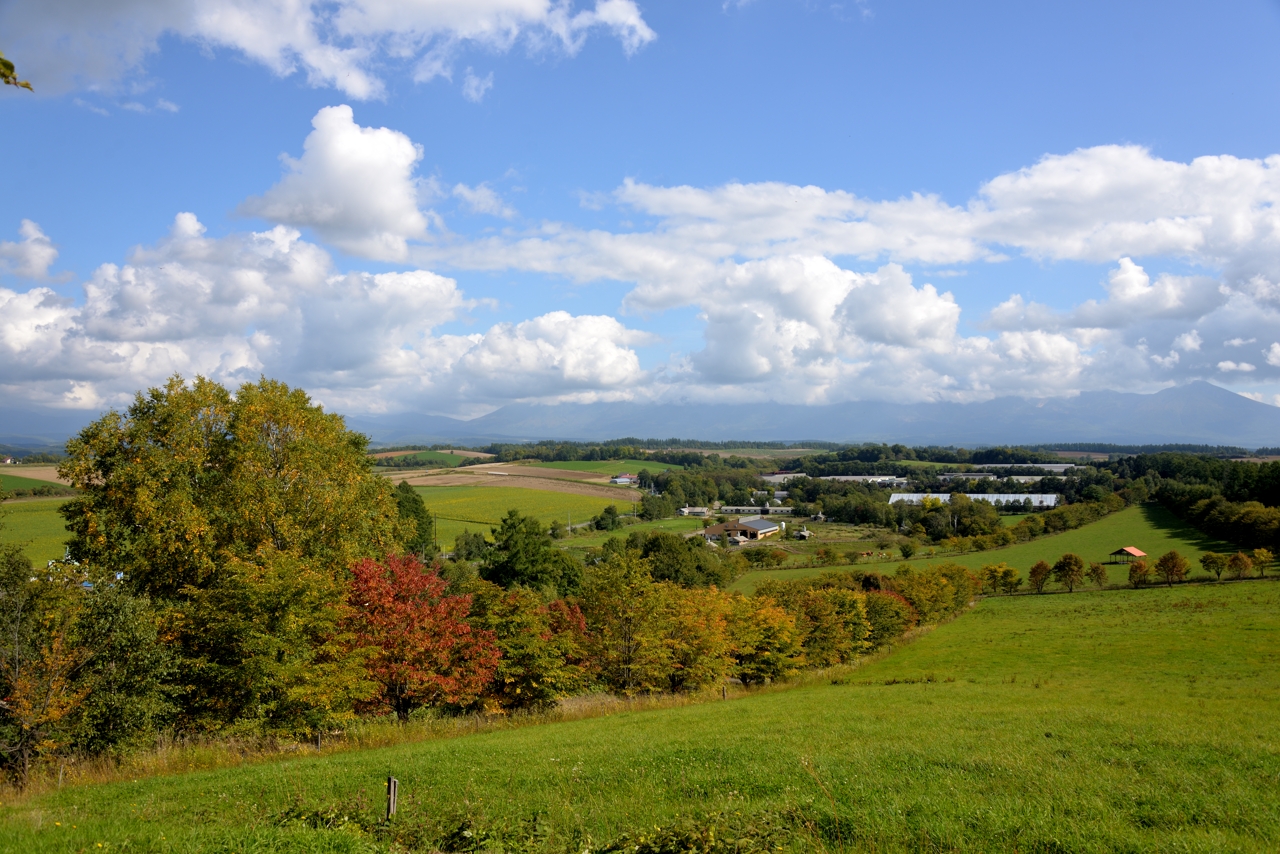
624,479
695,511
742,530
750,510
1127,555
966,475
778,478
871,479
1056,468
803,534
1039,500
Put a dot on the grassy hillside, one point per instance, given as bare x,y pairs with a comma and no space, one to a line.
611,467
434,459
9,482
1150,527
1119,721
459,508
36,523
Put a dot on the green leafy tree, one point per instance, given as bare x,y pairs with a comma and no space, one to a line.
1214,564
522,554
889,616
623,609
906,549
420,525
470,546
688,562
9,75
1171,567
1097,573
1039,575
239,517
607,520
833,624
537,658
1069,571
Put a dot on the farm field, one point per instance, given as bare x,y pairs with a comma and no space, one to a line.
10,482
1133,721
1150,527
435,459
37,523
477,508
610,467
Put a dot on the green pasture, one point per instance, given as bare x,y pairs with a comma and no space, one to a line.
434,459
589,539
10,482
1149,527
610,467
37,524
1136,721
478,508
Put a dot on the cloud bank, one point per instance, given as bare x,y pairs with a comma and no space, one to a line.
346,44
802,294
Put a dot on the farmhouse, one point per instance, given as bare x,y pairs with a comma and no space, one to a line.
742,529
1039,500
624,479
695,511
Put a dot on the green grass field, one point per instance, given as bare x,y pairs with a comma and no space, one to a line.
477,508
9,482
1150,527
37,523
1110,721
679,525
610,467
433,459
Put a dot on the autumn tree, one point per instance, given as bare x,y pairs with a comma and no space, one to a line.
888,616
1139,573
1069,571
1240,565
694,625
764,641
420,649
1171,567
1039,575
1001,578
1214,564
1262,559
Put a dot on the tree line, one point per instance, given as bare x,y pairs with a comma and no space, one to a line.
235,567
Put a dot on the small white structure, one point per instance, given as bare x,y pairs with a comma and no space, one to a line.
695,511
966,475
1039,500
1056,468
624,479
803,534
763,511
871,479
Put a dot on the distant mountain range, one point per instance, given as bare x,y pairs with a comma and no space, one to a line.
1197,413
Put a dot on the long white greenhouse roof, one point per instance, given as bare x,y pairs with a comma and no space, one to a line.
1038,499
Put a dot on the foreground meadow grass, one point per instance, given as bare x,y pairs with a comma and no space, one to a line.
1141,720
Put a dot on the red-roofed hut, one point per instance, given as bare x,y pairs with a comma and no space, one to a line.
1126,554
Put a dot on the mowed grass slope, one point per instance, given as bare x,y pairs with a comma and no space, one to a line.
477,508
9,482
1143,720
37,524
1149,527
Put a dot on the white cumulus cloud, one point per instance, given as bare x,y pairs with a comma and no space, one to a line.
354,185
30,258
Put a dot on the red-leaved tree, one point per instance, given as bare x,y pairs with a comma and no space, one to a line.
423,651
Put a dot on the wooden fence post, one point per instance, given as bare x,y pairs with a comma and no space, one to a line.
393,792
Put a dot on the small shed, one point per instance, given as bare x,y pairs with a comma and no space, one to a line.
1126,554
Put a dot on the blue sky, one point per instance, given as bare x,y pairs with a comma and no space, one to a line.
770,200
